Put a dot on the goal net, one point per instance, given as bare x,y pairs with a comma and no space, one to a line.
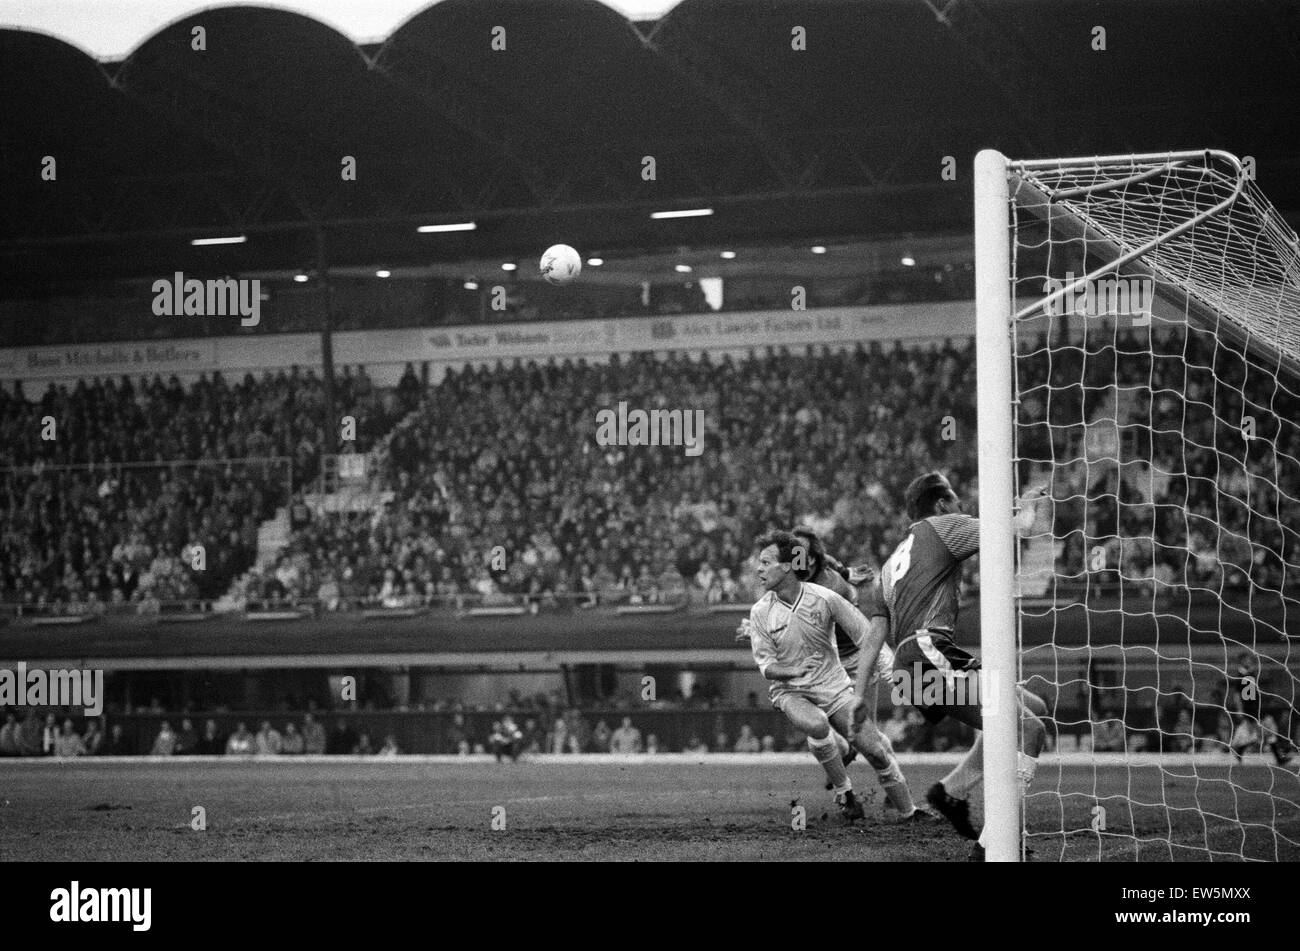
1137,347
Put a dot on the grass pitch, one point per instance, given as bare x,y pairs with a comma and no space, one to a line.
674,807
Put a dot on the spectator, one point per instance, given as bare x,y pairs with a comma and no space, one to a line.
119,742
1172,707
30,734
534,739
69,742
93,739
342,739
558,741
211,743
363,746
49,735
1246,736
747,742
164,743
652,744
9,735
1107,733
579,731
1182,739
459,736
291,741
241,742
600,737
268,741
626,739
696,746
504,739
187,740
313,736
390,749
1275,740
769,743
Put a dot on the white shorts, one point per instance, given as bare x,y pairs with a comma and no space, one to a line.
830,698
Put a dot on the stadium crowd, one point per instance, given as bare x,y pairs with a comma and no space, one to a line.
107,487
500,490
1221,725
1208,495
505,459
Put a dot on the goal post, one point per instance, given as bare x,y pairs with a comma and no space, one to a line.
1138,350
993,398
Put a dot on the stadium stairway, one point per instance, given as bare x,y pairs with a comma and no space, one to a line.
272,537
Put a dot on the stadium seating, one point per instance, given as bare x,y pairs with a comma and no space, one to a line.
134,474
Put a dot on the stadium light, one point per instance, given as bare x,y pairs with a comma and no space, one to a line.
909,261
728,255
300,278
595,262
471,285
684,213
682,268
455,226
230,239
383,273
818,249
509,266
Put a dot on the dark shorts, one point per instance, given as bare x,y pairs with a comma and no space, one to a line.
936,677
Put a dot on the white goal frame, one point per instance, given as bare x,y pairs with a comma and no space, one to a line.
995,175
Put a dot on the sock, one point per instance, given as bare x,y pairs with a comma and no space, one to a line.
968,772
827,753
895,787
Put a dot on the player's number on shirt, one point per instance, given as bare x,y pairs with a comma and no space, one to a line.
901,559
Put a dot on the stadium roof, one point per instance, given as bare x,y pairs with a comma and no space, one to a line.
112,30
545,141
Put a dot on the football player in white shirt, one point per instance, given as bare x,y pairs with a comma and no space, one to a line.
792,630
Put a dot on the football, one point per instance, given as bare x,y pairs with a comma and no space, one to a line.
560,264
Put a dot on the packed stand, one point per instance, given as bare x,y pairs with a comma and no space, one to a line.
506,460
132,498
1208,496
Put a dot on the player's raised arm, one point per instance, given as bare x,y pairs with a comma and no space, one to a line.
959,532
1028,510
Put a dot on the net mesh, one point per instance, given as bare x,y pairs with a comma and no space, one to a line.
1157,324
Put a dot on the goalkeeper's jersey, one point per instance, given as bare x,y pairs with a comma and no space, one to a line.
920,584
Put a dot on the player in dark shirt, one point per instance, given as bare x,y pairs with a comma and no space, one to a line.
917,592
